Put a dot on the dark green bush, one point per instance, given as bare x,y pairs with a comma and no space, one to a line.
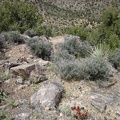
78,31
109,16
44,30
18,16
30,32
41,48
114,41
108,31
115,58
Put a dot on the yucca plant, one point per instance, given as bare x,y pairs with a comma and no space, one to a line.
100,51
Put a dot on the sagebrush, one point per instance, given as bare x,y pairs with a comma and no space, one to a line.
41,48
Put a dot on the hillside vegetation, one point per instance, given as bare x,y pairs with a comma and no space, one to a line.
59,60
68,12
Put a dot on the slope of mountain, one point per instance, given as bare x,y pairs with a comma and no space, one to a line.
70,12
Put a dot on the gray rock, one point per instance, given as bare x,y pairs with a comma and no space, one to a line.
43,62
99,105
48,95
37,75
90,118
118,113
19,80
112,70
68,36
105,97
22,116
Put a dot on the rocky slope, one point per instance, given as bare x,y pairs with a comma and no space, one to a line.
33,90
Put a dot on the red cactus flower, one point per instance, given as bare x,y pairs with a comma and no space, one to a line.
82,115
75,115
78,107
86,114
78,112
74,107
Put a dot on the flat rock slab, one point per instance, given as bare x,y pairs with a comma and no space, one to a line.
48,95
23,70
101,98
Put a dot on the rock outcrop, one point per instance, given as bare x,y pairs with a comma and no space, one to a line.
48,95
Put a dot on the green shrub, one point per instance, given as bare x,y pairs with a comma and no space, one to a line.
2,43
18,15
115,58
67,66
30,32
41,48
108,32
109,16
63,55
114,41
78,31
96,68
12,37
94,37
15,37
44,30
2,115
70,70
5,36
75,47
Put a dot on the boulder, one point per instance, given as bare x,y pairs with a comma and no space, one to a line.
23,70
48,95
99,105
68,36
34,72
105,98
37,75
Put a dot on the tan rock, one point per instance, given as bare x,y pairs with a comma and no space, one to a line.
23,70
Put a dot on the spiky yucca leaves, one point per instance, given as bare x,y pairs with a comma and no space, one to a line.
100,51
97,65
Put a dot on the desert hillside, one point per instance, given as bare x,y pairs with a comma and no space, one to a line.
65,11
59,60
